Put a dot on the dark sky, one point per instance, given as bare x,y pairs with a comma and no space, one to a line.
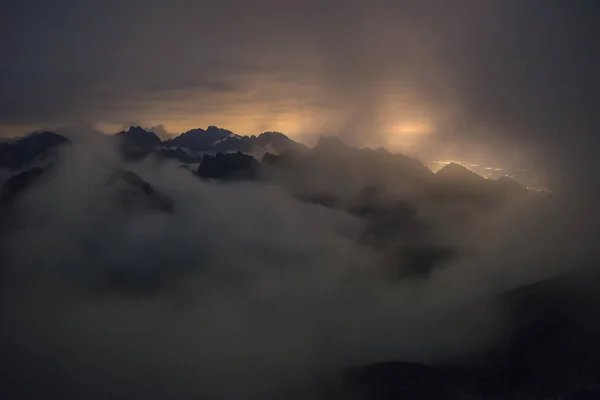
406,74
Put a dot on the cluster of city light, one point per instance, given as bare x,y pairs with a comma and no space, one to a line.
487,172
540,189
466,165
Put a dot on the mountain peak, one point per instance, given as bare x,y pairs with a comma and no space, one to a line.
509,183
134,191
217,130
136,128
199,139
455,171
273,134
382,150
193,131
139,132
330,143
137,142
18,183
230,166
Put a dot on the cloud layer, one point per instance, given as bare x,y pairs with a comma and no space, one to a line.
242,291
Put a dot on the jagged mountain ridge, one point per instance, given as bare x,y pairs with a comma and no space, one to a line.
453,171
230,166
190,147
130,188
224,141
457,182
199,139
16,153
137,142
361,182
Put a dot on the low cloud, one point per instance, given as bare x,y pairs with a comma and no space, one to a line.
241,291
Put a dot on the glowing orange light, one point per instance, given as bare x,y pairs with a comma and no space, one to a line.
412,128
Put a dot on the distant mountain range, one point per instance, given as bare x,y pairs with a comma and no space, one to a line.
386,190
136,143
275,149
224,141
191,145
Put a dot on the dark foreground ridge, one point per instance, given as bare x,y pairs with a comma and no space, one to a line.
553,354
228,167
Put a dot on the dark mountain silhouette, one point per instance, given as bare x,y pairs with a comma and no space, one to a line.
458,174
233,144
331,149
284,160
409,381
18,153
137,142
17,184
135,192
459,184
231,166
199,139
455,182
364,182
332,166
404,166
509,186
337,164
330,144
553,352
330,160
131,189
279,143
187,168
268,141
393,225
140,137
179,155
375,162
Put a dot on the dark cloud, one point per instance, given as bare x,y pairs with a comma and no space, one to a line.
507,79
499,77
218,297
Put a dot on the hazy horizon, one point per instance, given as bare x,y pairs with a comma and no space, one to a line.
495,78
